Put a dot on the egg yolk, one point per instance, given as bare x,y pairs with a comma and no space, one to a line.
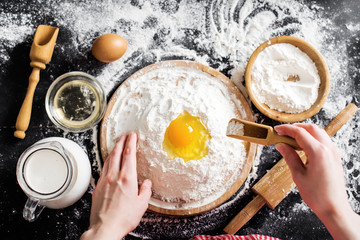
181,134
186,137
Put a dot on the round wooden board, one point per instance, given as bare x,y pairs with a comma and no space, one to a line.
250,147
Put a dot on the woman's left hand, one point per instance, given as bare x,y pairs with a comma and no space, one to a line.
117,202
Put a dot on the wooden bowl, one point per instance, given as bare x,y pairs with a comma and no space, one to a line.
321,66
250,147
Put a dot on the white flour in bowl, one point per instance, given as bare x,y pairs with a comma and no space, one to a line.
148,103
270,78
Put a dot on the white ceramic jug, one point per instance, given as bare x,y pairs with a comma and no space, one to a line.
55,173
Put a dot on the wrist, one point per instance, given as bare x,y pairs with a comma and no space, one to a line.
101,232
341,223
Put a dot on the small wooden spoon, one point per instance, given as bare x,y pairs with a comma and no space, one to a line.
40,54
257,133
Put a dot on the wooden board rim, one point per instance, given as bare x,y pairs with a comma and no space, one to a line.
251,147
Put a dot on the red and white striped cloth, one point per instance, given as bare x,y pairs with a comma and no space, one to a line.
234,237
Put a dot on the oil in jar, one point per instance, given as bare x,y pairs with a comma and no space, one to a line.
77,104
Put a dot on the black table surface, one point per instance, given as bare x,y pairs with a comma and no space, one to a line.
69,223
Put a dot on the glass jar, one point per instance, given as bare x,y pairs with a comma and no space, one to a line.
75,102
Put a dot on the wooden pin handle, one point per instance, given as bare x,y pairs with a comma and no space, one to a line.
245,215
23,119
341,119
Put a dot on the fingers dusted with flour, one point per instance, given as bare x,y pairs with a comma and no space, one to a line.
317,132
321,180
292,159
118,203
302,137
128,173
115,157
145,192
128,164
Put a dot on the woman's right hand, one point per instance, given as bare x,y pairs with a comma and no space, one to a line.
320,180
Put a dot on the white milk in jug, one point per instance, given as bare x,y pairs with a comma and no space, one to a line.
55,173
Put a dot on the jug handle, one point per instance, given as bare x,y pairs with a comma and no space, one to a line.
32,209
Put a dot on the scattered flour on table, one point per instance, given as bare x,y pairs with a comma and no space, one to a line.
270,78
222,34
353,27
14,29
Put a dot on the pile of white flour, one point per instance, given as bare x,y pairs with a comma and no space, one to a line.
270,72
149,102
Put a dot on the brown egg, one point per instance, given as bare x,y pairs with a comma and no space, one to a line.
109,47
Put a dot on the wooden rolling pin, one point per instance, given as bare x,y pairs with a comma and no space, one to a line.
40,54
277,183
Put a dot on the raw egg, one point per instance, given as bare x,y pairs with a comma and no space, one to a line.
186,137
109,47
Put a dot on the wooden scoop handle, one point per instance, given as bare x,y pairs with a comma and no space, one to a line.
23,119
277,183
284,139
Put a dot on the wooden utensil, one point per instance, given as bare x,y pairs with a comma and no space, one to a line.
277,183
257,133
40,54
321,66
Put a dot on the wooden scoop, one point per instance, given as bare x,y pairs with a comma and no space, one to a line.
40,54
257,133
277,183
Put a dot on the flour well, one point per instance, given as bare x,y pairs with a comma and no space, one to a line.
270,78
149,102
